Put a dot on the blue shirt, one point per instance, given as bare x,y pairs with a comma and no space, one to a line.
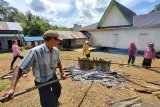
43,62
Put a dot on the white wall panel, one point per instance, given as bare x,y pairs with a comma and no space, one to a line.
114,18
121,38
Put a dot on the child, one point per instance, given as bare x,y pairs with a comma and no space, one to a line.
86,50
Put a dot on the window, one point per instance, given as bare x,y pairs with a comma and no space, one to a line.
143,34
143,39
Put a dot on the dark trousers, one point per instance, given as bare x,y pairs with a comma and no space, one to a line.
147,63
131,58
14,59
49,94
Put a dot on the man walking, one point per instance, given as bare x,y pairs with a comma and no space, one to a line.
44,59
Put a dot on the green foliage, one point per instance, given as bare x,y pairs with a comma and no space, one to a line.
25,28
36,26
156,8
32,25
10,13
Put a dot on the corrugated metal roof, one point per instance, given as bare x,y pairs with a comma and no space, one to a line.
152,19
29,39
62,35
89,27
11,35
10,26
71,35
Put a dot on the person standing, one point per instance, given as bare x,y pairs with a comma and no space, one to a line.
132,51
16,53
86,50
149,54
43,59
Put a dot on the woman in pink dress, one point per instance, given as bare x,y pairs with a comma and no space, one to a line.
149,54
16,53
132,51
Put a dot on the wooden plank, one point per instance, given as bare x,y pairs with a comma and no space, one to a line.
127,79
146,90
156,93
2,77
32,88
154,82
134,101
8,76
123,100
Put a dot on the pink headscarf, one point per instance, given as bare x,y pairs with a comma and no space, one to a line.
132,49
133,45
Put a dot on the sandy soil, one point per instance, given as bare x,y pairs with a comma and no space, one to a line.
76,94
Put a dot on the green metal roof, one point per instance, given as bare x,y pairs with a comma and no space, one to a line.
11,35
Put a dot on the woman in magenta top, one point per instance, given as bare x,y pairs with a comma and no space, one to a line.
132,51
16,53
149,54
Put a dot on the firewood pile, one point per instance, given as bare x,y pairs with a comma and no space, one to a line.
99,64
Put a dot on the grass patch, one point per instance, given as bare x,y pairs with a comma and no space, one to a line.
6,55
4,84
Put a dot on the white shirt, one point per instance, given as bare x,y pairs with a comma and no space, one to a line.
43,62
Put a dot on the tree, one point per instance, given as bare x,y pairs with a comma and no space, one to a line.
37,27
10,14
32,25
156,8
3,8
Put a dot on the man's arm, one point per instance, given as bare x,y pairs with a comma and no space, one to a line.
17,74
154,55
10,94
25,64
59,65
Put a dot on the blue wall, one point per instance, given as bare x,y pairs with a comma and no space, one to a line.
116,50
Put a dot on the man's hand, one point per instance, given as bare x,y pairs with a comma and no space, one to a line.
8,95
63,76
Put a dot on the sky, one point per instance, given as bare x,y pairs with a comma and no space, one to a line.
66,13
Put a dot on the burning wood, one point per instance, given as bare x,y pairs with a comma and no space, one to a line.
99,64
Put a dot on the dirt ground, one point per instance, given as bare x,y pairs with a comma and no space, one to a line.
76,94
